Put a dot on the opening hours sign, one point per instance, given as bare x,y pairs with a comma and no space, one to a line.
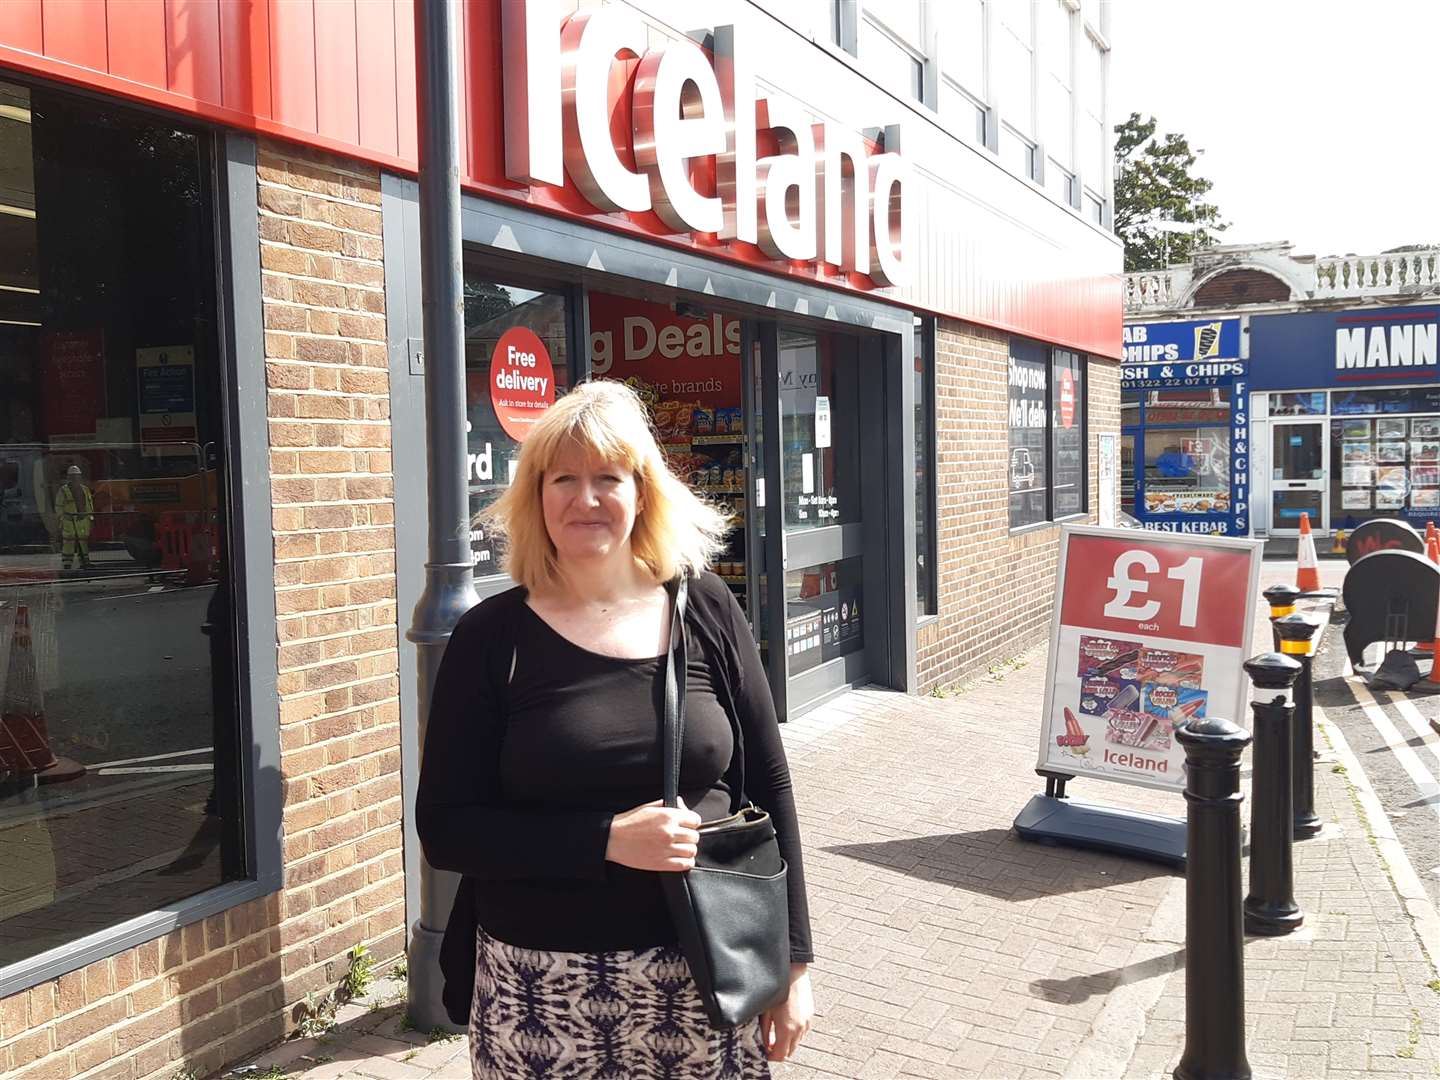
1150,630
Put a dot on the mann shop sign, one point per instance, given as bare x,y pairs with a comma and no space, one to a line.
1357,348
698,123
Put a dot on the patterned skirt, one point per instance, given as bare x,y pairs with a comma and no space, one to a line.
627,1015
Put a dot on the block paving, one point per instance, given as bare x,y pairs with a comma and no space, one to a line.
949,948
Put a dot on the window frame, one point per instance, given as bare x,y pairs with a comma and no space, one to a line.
928,607
503,271
928,95
229,173
1083,412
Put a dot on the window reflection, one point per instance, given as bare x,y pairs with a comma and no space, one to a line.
118,732
493,312
823,619
819,416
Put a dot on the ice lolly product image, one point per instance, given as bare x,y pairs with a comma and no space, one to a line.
1127,699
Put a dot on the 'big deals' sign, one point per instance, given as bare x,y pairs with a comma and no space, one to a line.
1150,631
697,128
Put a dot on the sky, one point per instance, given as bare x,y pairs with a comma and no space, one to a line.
1320,119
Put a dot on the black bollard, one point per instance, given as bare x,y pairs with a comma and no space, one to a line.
1214,939
1297,641
1281,599
1270,907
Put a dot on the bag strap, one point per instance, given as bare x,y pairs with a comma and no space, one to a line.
673,732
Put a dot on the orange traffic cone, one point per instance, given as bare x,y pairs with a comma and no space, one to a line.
24,738
1432,550
1307,573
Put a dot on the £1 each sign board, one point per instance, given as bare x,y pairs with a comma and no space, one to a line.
1150,630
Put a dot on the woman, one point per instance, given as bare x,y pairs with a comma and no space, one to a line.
542,766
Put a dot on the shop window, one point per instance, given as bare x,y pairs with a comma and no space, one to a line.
119,729
1204,405
1029,400
517,360
1384,466
684,361
823,620
1309,404
1047,467
820,428
1187,470
1417,399
1069,489
1127,474
926,565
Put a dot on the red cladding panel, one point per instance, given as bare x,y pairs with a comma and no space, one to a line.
74,31
336,91
192,43
136,33
292,63
340,75
405,78
375,53
20,25
245,49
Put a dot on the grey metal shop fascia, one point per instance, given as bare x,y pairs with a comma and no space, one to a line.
519,231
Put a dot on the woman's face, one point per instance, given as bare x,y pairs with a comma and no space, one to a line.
590,506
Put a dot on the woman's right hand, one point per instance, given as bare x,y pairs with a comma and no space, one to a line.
654,837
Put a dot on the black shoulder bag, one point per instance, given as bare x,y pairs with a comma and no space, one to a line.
731,911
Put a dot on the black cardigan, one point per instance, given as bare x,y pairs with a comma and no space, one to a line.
466,825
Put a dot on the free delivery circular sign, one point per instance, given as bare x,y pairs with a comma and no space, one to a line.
522,381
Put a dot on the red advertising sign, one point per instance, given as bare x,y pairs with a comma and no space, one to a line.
74,382
664,355
1067,398
1150,630
522,381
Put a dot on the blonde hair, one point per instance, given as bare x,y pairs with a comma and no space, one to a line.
675,531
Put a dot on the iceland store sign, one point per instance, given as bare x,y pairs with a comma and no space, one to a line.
1373,347
699,123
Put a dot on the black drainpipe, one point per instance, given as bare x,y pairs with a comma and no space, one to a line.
449,582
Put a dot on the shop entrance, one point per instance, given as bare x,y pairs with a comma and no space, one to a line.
1298,468
766,422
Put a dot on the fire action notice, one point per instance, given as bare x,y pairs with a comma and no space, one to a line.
1150,633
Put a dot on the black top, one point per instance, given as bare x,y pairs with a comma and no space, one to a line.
522,772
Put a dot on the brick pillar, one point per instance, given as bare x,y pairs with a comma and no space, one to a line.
327,377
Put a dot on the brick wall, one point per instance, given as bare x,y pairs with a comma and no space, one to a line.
995,587
216,990
327,374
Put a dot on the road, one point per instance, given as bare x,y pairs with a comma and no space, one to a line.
131,681
1391,734
129,696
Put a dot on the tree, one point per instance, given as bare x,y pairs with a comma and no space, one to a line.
1156,183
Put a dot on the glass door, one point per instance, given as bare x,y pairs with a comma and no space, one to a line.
814,408
1299,463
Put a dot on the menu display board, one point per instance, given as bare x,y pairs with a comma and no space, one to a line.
1150,630
1387,465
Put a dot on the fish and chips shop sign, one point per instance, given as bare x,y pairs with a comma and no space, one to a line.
699,124
1187,395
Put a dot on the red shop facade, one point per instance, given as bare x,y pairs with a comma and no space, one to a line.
893,360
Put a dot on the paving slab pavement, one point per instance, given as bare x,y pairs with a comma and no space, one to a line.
948,947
